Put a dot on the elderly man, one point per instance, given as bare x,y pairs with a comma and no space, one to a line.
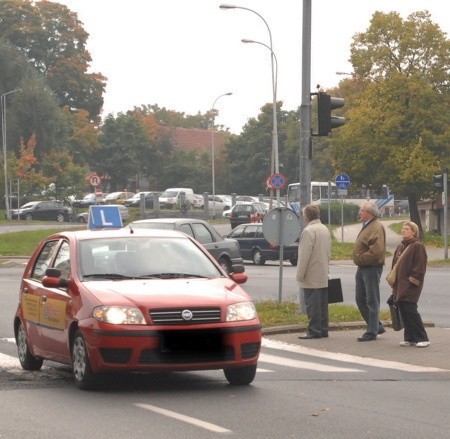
314,252
369,254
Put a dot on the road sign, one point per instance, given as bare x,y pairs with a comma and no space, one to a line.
95,180
104,217
342,181
289,227
276,181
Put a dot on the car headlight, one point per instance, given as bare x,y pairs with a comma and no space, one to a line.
119,315
241,311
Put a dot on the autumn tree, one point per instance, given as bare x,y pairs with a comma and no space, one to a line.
397,106
54,42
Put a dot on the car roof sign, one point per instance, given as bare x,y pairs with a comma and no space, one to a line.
104,217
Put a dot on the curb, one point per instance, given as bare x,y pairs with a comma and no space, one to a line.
347,326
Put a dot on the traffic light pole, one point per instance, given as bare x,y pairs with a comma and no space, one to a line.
445,203
305,124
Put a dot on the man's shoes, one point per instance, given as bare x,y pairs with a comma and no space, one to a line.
381,330
367,336
309,336
422,344
324,334
407,343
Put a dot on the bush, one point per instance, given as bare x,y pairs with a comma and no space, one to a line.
350,212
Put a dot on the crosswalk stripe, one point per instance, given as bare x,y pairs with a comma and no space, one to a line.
265,358
337,356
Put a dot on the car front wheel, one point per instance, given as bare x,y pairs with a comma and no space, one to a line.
82,372
240,376
27,360
28,217
257,258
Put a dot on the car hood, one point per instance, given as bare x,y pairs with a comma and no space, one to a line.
156,293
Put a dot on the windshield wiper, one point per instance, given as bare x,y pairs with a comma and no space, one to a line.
107,276
172,275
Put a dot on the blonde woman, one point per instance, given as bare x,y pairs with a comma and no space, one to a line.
409,283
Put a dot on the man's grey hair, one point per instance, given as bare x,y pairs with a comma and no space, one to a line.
371,207
311,211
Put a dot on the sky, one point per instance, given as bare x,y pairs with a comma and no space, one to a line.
183,55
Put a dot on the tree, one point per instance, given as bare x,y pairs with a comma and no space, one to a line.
398,120
54,41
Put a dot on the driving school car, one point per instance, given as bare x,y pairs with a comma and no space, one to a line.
134,300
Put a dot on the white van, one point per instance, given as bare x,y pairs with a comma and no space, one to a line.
171,197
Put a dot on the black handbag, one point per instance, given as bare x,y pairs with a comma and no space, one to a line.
396,316
335,291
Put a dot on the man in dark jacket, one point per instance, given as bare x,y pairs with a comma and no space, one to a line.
369,255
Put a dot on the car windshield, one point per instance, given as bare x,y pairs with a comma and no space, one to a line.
169,194
28,205
143,257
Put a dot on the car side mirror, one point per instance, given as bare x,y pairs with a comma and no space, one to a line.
53,279
239,278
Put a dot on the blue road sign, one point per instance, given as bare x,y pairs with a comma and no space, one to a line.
342,181
277,181
104,217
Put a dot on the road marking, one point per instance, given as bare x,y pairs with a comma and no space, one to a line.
8,362
265,358
194,421
337,356
9,340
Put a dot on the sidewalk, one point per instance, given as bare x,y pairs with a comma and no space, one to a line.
386,347
393,239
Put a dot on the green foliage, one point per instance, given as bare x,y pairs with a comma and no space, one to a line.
348,211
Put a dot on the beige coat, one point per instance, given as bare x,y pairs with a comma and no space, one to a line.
314,253
370,245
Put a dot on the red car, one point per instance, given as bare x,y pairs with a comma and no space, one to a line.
134,300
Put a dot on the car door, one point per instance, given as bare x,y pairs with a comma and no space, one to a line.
56,302
238,234
205,237
31,298
40,211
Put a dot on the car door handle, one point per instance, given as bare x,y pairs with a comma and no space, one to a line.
25,291
44,298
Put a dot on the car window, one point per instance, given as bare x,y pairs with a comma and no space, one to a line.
238,232
250,232
259,232
186,228
43,260
62,260
202,234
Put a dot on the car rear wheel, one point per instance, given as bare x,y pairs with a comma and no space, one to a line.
225,265
293,261
60,218
82,372
27,360
240,376
257,258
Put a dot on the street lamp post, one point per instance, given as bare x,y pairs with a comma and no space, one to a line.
274,168
5,162
213,153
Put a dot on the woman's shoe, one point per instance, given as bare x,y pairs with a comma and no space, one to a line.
422,344
407,343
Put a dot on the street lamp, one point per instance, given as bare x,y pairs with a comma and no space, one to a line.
274,168
5,163
213,111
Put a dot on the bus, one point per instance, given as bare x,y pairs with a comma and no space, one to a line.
321,192
324,192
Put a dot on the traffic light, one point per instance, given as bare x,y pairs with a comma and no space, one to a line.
325,104
438,180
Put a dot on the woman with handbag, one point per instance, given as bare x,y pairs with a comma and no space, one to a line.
411,259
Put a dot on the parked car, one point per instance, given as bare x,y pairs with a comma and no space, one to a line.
224,250
254,246
117,197
220,202
135,200
171,197
198,201
124,214
245,212
151,300
42,210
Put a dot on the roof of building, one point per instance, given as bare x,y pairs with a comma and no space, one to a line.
191,139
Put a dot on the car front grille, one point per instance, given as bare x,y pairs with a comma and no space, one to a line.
175,316
185,347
